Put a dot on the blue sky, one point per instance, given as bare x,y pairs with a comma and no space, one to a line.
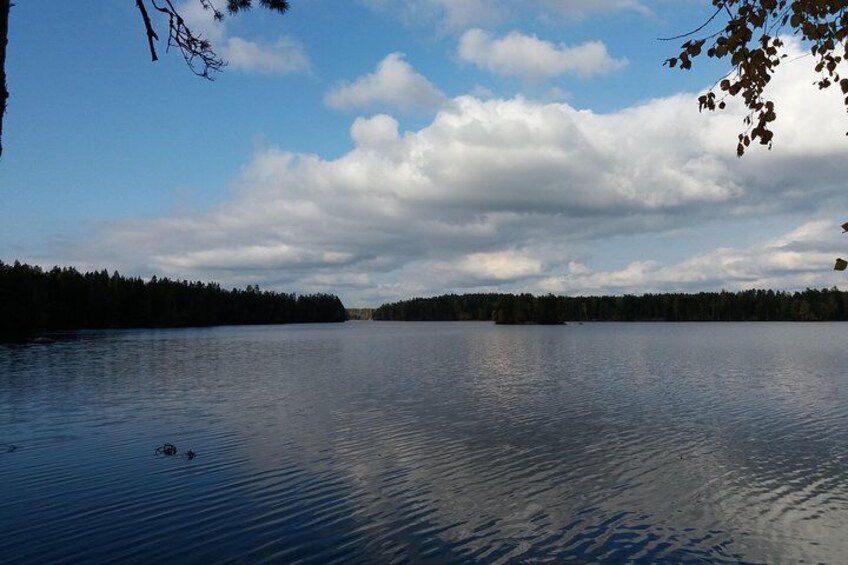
380,149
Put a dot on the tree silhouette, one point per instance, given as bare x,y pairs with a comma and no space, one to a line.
751,41
5,7
748,305
33,300
196,50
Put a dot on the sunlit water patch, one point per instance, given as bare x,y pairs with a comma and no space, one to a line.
442,442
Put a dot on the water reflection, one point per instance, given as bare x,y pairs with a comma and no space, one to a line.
443,442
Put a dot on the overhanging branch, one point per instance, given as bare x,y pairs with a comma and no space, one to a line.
151,33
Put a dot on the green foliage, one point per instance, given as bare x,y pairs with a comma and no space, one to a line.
529,309
33,300
750,42
748,305
236,6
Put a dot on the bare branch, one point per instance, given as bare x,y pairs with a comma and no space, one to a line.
196,50
694,31
5,8
151,33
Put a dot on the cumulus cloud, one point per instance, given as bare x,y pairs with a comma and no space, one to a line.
516,194
529,57
378,132
500,266
800,258
286,55
394,84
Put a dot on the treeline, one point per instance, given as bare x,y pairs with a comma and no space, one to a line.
33,300
445,308
748,305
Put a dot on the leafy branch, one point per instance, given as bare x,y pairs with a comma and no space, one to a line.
841,264
751,41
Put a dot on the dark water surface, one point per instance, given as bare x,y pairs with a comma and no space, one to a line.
440,442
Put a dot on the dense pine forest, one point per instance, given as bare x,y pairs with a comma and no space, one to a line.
748,305
33,300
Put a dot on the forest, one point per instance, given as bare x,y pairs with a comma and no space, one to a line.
33,300
749,305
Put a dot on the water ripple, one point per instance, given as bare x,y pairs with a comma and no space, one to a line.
390,443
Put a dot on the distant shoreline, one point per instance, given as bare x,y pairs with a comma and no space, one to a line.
756,305
34,301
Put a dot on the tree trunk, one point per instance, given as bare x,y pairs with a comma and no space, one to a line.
5,6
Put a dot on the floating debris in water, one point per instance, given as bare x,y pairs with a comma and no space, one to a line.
170,450
8,447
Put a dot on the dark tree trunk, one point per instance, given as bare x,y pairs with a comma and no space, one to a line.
5,6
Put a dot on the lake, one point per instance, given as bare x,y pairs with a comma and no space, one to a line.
466,442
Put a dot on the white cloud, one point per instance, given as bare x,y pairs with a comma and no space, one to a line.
801,258
457,15
394,83
201,21
500,266
276,255
378,132
286,55
515,194
451,15
529,57
577,9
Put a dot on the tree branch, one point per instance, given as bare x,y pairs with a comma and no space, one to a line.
5,7
694,31
151,33
196,50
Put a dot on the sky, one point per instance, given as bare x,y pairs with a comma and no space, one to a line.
385,149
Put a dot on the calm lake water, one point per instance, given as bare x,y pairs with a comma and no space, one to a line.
468,442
